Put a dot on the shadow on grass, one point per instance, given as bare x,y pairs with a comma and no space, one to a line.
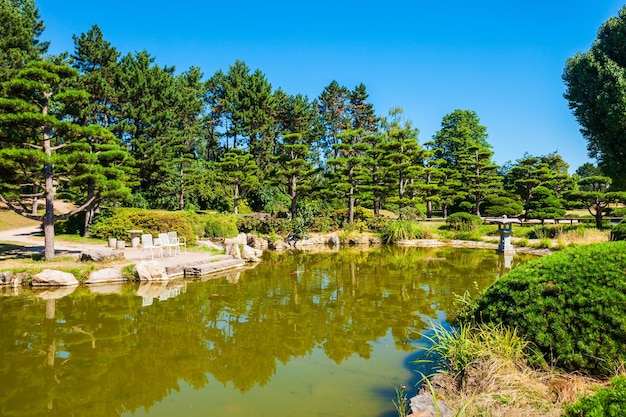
13,251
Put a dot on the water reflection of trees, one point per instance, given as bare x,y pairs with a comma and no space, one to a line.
103,355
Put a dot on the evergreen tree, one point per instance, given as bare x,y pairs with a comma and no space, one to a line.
544,205
20,29
294,172
240,172
350,168
333,109
595,194
479,175
44,147
404,159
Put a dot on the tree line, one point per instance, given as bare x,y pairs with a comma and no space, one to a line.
97,128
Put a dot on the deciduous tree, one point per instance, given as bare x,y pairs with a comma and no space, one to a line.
596,92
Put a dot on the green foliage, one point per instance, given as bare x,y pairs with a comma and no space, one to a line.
462,221
497,206
606,402
568,304
73,225
453,350
220,225
402,230
618,232
595,88
116,222
401,402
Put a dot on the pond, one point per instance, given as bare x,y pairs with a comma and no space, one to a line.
303,333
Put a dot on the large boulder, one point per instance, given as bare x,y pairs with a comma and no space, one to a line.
106,275
422,405
232,248
249,254
257,242
51,277
241,239
151,271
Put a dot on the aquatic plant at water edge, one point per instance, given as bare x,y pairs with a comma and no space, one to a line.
402,230
401,402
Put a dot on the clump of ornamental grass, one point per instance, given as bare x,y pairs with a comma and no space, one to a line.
485,371
403,230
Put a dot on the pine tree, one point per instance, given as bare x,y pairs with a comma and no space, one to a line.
44,147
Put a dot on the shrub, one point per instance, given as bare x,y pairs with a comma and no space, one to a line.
220,225
462,221
608,401
116,222
618,232
568,304
402,230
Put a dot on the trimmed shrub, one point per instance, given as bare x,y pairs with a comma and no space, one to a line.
570,305
618,232
608,401
220,225
116,222
463,221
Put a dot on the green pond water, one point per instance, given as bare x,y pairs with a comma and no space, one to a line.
302,333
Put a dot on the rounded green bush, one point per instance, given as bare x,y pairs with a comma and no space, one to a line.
463,221
609,401
618,232
570,305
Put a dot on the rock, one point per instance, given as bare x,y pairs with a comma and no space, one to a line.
213,267
376,240
106,275
100,256
232,248
250,254
359,240
257,242
334,240
6,277
278,245
151,271
54,278
241,239
422,405
311,242
210,244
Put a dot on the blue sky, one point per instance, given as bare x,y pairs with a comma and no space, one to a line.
502,59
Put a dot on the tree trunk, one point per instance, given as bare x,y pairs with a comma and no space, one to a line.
429,209
351,208
377,206
293,196
48,218
181,194
35,201
236,199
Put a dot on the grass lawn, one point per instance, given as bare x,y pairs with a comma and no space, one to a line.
10,220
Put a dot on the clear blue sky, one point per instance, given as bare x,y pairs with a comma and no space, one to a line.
502,59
